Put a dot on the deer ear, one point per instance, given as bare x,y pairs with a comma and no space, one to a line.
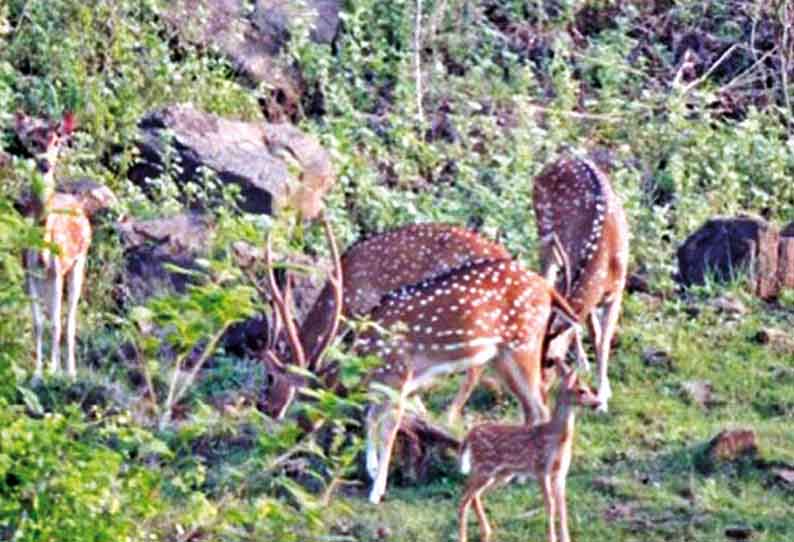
68,123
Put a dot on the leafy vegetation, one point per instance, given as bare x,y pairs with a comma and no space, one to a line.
135,450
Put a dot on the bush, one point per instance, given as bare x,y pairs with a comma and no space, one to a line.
58,482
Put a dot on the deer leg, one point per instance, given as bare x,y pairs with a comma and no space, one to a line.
56,300
473,487
75,285
485,528
389,424
374,413
520,369
608,328
548,500
594,327
456,408
35,305
561,506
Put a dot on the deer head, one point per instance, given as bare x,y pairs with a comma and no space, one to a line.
283,384
43,139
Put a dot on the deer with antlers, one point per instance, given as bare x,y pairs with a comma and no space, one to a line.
577,210
67,234
494,453
371,269
484,311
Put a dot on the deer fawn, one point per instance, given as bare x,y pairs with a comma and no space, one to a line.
64,218
494,453
575,204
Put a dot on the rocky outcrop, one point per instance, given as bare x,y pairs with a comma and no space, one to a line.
150,245
252,37
785,269
253,155
724,247
727,447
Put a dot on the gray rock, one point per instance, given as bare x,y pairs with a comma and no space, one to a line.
699,392
151,244
251,155
729,305
251,39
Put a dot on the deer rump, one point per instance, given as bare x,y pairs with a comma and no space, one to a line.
572,199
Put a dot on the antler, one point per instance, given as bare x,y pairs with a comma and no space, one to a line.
335,280
283,312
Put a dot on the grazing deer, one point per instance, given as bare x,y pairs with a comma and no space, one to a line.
493,311
67,229
575,204
495,453
485,311
388,261
378,265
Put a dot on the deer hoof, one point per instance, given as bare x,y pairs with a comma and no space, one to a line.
375,496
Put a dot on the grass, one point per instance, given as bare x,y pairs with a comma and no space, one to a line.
635,475
515,86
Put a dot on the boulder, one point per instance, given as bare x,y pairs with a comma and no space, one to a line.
253,155
725,246
273,17
252,38
151,244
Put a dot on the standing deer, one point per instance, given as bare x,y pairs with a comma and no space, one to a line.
483,312
486,311
575,204
494,453
67,230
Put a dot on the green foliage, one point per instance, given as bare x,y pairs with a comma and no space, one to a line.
160,438
58,481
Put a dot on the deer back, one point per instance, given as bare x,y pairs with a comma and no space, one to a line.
405,256
445,324
573,199
504,449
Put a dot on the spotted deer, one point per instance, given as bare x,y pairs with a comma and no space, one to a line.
492,454
491,311
388,261
575,205
67,236
484,312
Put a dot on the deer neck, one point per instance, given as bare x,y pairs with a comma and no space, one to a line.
43,191
563,419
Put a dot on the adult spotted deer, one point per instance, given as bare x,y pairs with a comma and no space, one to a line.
485,311
65,219
494,453
576,206
388,261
